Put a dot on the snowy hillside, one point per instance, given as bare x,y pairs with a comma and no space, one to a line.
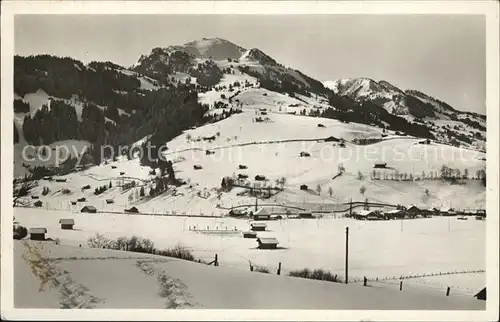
72,277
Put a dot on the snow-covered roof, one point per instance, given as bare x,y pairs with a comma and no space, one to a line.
268,240
67,221
364,213
258,224
38,230
394,211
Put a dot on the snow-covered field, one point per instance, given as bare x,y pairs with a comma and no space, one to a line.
50,276
378,249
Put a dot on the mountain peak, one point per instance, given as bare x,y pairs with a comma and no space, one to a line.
214,48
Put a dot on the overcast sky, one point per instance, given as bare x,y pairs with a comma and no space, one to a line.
443,56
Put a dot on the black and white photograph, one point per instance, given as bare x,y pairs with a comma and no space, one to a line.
296,157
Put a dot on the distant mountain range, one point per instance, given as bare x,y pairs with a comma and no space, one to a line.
166,92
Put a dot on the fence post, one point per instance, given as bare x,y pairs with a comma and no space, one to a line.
448,291
401,285
216,262
279,268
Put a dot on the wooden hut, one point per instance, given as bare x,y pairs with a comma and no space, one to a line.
261,214
132,210
86,187
122,173
34,197
239,212
306,215
81,199
242,176
258,226
37,233
242,167
332,139
260,178
67,223
38,203
249,234
303,187
197,167
394,214
365,215
320,125
110,201
113,167
89,209
413,211
380,165
267,243
61,180
305,154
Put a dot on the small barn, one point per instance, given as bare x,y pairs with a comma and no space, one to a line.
261,214
242,176
448,212
197,167
208,152
73,203
110,201
320,125
61,180
267,243
122,173
258,226
89,209
81,199
306,215
249,234
394,214
332,139
37,233
305,154
132,210
303,187
426,141
34,197
380,165
481,295
242,167
413,211
38,203
366,215
86,187
67,223
260,178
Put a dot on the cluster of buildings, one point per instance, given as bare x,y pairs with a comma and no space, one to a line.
412,212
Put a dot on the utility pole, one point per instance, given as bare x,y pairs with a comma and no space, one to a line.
346,253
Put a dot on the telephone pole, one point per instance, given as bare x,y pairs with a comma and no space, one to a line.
346,253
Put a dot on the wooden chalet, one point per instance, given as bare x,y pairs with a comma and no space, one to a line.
34,197
306,215
380,165
38,203
260,178
242,167
303,187
197,167
81,199
89,209
394,214
37,233
110,201
132,210
267,243
249,234
261,214
67,223
258,226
